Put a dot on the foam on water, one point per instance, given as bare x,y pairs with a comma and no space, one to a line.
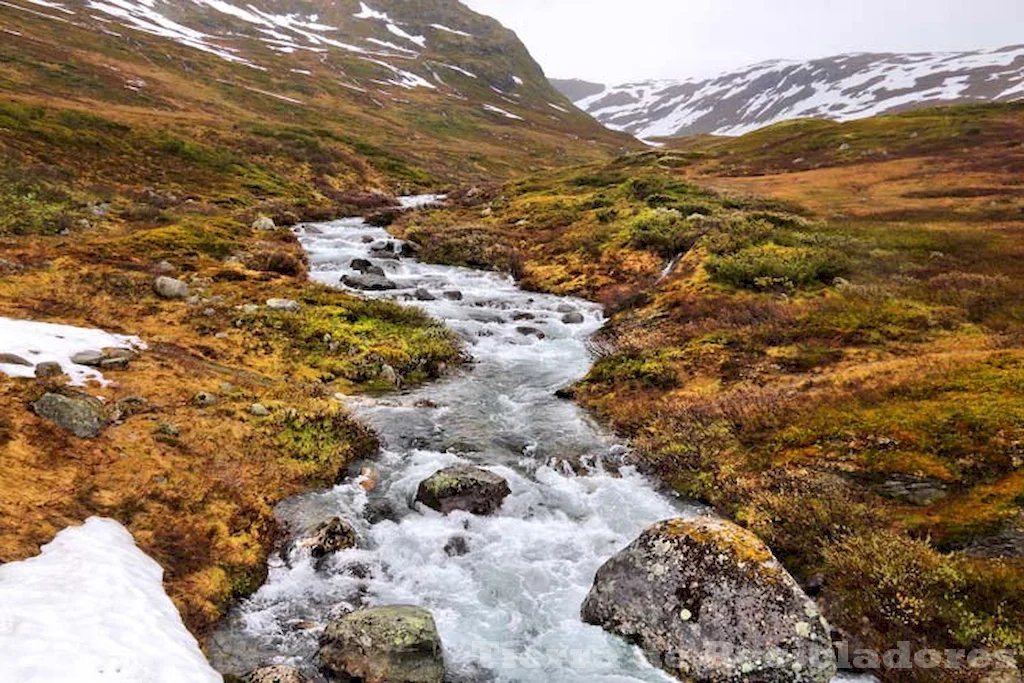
508,609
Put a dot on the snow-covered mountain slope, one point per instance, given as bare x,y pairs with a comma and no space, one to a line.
432,68
842,88
398,44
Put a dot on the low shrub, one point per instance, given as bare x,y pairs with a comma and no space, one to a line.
908,591
771,267
663,231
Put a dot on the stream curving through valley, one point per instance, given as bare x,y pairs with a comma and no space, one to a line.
508,608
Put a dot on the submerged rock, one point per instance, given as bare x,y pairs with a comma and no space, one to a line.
457,546
453,295
423,294
368,282
81,415
708,602
527,331
463,487
365,267
397,644
14,359
574,318
274,674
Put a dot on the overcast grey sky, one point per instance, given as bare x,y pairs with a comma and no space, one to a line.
613,41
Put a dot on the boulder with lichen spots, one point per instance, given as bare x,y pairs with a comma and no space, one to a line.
708,602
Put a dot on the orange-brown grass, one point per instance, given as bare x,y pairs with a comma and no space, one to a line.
196,485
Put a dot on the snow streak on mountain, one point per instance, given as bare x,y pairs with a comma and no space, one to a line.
841,88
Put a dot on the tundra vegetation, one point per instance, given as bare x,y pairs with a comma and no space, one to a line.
817,329
123,156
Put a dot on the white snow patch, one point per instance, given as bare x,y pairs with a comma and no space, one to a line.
442,27
367,12
142,18
406,79
42,342
52,5
561,109
418,201
459,69
392,46
44,15
91,608
499,110
419,40
518,80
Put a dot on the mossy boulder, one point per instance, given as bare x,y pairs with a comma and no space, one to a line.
708,602
396,644
79,414
472,489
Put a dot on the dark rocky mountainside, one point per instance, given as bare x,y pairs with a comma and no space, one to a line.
842,88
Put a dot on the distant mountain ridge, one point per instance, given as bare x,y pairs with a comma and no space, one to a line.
842,88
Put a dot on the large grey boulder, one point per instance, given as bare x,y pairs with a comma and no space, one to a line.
463,487
169,288
83,416
397,644
709,603
274,674
365,267
368,282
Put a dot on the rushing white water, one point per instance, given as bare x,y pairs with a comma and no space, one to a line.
508,609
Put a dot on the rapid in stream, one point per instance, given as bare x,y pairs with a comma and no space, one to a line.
509,608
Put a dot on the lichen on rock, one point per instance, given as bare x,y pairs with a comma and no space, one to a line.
707,601
395,644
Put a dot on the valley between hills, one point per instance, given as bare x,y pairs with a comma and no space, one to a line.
814,329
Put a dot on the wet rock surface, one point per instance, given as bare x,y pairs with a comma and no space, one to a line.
368,282
467,488
330,537
397,644
708,602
